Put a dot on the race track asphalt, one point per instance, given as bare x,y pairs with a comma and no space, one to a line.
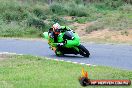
118,56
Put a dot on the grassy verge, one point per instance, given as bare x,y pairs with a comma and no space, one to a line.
109,36
36,72
106,40
120,19
30,18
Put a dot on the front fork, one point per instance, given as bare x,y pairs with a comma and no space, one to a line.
77,49
53,48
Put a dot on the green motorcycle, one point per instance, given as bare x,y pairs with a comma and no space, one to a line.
68,43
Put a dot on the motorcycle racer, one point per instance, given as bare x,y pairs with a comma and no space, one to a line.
56,37
56,34
62,40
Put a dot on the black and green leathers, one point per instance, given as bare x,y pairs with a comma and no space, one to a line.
55,39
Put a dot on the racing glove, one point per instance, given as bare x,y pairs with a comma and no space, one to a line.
60,44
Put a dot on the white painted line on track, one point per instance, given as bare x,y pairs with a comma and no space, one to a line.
61,60
82,63
68,61
51,59
75,62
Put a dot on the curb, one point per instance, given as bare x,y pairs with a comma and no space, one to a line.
1,53
73,62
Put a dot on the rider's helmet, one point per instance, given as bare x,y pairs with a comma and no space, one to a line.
56,28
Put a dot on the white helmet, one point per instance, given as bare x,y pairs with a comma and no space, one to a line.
56,28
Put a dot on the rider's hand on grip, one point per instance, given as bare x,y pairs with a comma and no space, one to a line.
65,41
60,44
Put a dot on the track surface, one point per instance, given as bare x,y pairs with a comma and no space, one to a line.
119,56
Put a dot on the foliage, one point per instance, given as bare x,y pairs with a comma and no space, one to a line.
126,8
71,9
14,30
34,14
109,4
94,28
76,10
39,12
58,8
38,23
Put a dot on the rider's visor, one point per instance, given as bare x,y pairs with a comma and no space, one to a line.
57,31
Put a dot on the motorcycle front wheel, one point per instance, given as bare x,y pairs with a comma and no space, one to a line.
58,53
83,51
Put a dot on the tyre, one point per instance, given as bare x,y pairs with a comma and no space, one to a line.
83,51
58,53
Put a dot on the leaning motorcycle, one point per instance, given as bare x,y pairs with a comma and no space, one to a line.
68,43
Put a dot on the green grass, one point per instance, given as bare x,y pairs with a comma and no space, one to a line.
34,14
22,19
113,20
105,40
15,30
35,72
